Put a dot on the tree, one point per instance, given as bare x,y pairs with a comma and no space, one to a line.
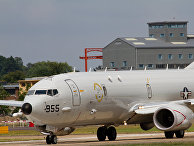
4,110
13,77
3,93
47,69
10,64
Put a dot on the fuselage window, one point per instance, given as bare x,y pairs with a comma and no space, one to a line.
30,92
55,92
40,92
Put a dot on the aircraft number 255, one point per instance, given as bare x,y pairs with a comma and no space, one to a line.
52,108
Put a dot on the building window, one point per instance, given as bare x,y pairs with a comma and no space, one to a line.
150,65
162,35
124,63
182,34
176,25
172,26
190,56
171,35
112,64
160,57
180,56
156,26
160,65
170,56
181,25
141,66
152,35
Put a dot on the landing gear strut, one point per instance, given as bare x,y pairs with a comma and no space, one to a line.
51,139
110,132
170,134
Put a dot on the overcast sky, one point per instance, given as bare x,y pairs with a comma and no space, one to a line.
59,30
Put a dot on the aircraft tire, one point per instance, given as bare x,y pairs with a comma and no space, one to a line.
111,133
180,133
48,139
169,134
101,133
54,139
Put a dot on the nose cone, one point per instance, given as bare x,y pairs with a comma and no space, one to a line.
27,108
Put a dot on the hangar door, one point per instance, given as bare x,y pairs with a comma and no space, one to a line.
76,100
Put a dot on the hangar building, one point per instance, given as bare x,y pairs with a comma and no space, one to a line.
168,43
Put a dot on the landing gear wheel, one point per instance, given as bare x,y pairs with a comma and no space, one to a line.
48,139
54,139
180,133
101,133
111,133
169,134
51,139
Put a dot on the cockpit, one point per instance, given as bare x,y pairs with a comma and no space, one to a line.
50,92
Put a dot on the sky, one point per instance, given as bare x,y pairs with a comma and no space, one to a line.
59,30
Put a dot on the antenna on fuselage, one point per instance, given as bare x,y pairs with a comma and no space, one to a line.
74,69
178,67
131,68
90,70
145,68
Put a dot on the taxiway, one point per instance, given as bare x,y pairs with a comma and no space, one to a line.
86,140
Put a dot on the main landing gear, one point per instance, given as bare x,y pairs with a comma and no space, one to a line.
170,134
110,132
51,139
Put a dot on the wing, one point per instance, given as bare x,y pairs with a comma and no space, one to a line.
144,112
152,107
11,103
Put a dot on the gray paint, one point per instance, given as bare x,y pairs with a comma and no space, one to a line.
140,50
119,51
166,31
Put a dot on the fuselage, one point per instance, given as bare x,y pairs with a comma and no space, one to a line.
95,98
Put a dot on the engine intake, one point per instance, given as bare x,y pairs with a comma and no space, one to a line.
172,118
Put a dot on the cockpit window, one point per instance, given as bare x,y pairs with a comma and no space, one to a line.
52,92
30,92
55,92
40,92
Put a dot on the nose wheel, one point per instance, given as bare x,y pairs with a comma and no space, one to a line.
51,139
110,132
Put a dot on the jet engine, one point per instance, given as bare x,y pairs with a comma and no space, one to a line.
172,118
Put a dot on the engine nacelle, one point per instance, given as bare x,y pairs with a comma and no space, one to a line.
173,117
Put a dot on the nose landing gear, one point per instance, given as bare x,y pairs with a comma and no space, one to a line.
110,132
51,139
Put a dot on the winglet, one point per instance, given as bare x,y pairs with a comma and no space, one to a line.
190,66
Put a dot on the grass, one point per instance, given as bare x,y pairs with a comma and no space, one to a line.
18,139
22,133
128,129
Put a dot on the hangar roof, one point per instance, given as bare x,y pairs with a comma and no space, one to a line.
147,42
